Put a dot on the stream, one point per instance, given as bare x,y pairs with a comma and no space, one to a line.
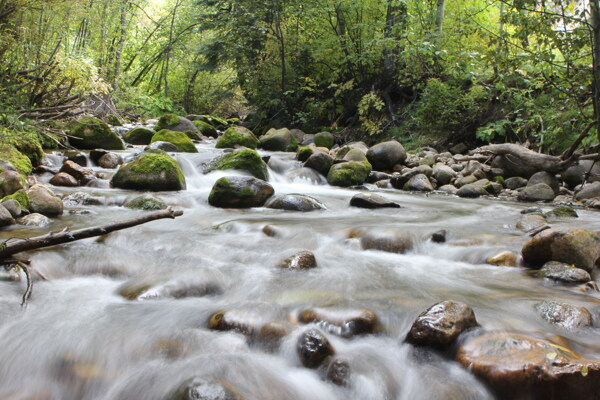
80,339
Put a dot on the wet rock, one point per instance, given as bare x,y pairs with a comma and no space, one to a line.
205,389
146,203
181,140
139,136
270,335
344,322
64,179
504,259
34,219
83,175
6,217
294,202
239,192
110,161
439,236
320,162
305,174
155,288
537,192
304,153
237,136
230,321
271,231
244,160
441,324
338,372
313,348
564,212
13,207
561,272
300,261
385,155
278,140
519,366
151,171
77,157
82,199
547,178
564,315
42,200
371,200
419,183
392,241
206,129
164,146
531,222
471,191
579,247
515,182
443,174
376,176
348,173
10,182
589,191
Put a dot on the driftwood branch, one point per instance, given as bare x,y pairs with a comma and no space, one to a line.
53,239
540,161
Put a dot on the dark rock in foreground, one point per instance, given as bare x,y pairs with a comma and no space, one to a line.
239,192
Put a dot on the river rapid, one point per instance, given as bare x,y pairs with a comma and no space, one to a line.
80,339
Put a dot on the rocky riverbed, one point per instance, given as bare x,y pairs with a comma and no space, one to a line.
302,270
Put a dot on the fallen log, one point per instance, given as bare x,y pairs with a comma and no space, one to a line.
540,161
52,239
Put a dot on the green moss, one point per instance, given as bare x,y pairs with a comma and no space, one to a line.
500,180
139,136
21,197
237,136
304,153
179,139
349,173
322,140
113,120
167,121
150,172
28,143
146,203
245,160
279,140
192,135
564,212
206,129
246,192
233,121
21,162
92,133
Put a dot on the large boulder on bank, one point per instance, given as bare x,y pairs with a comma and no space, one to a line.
547,178
139,136
324,139
43,201
239,192
385,155
320,162
206,129
537,192
6,218
519,366
93,133
579,247
237,136
294,202
278,140
10,182
151,171
348,173
176,123
440,325
244,160
179,139
589,191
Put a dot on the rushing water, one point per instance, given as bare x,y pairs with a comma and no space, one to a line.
80,339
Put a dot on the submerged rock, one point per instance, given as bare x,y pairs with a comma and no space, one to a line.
202,388
344,322
392,241
371,200
441,324
504,259
146,203
294,202
239,192
300,261
564,315
565,273
338,372
154,288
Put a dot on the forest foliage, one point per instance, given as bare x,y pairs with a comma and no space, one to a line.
418,71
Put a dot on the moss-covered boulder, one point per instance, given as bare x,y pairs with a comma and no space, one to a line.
237,136
114,120
304,153
320,162
239,192
139,136
17,159
349,173
244,160
175,123
152,171
20,196
278,140
218,123
179,139
10,182
206,129
146,203
27,143
93,133
324,139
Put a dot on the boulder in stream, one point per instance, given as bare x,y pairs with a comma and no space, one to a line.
441,324
278,140
389,240
179,139
299,261
349,173
139,136
244,160
64,179
295,202
176,123
372,200
42,200
239,192
565,315
202,388
385,155
320,162
92,133
206,129
34,219
313,348
561,272
237,136
151,171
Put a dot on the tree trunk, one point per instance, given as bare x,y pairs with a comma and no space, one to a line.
595,12
439,16
121,45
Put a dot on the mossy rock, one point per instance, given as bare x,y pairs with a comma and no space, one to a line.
18,160
324,139
151,171
216,122
233,121
146,203
114,120
304,153
563,212
239,192
179,139
237,136
28,143
349,173
193,135
245,160
92,133
140,136
278,140
21,197
206,129
176,123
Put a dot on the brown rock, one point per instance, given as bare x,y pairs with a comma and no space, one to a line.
531,222
83,175
313,348
441,324
64,179
299,261
562,272
518,366
371,200
345,322
391,241
564,315
338,372
504,259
